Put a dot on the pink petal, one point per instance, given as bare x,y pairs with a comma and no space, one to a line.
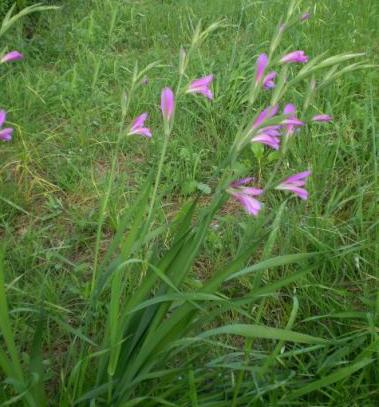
167,103
204,81
251,205
300,192
266,114
268,80
293,122
262,62
270,141
206,92
11,56
270,131
298,176
289,109
143,131
139,121
252,191
6,134
295,57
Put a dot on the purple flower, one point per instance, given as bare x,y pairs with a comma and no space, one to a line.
270,136
5,134
11,56
264,115
268,80
295,57
271,141
262,62
305,16
292,122
244,195
322,118
167,103
294,184
201,85
137,126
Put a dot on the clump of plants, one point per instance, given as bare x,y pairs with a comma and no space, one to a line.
161,340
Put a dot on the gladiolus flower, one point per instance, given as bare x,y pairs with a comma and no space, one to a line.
270,136
322,118
201,85
268,80
262,62
295,57
244,195
305,16
11,56
5,134
294,184
271,141
167,103
137,126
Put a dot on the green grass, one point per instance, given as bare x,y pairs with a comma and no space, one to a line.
64,101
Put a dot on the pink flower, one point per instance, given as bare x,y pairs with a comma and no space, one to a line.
245,195
264,115
201,85
137,126
294,184
322,118
5,134
167,103
270,136
262,62
268,80
11,56
292,122
295,57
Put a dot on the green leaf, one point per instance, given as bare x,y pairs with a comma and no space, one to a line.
337,376
260,331
273,262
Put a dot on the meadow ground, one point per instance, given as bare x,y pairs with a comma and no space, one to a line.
64,101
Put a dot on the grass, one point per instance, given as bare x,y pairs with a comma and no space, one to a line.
64,101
